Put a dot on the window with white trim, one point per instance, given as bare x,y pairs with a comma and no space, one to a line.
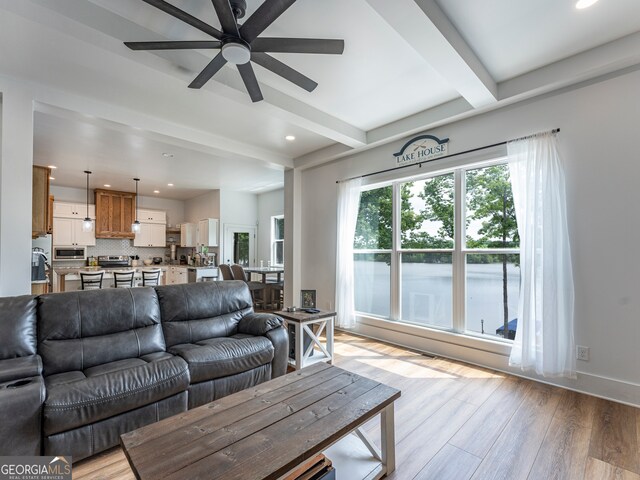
441,250
277,240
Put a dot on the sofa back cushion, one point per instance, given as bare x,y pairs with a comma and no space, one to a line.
17,326
79,330
197,311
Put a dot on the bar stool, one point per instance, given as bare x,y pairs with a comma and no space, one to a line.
150,276
225,271
123,279
91,280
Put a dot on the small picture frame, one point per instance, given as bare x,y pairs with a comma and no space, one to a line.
307,298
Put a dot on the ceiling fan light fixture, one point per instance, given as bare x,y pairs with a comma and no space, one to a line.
236,53
581,4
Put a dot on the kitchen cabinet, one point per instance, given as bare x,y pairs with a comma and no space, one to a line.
208,232
40,201
177,275
188,236
152,216
50,215
115,212
151,235
68,232
73,210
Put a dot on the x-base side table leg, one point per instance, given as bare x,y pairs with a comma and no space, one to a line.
388,439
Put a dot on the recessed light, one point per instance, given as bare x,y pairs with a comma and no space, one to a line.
52,178
156,191
167,155
169,184
52,167
290,138
107,185
580,4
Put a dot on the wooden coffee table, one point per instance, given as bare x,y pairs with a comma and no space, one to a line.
266,431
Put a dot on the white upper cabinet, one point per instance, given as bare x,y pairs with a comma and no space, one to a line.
151,235
208,232
152,216
73,210
68,232
188,234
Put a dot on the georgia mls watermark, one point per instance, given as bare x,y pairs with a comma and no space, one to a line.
35,468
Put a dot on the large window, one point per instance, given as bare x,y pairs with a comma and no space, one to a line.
441,251
277,240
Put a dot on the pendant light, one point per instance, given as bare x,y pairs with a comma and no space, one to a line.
87,223
135,227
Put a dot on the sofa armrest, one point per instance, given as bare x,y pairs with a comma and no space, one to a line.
259,324
20,367
280,339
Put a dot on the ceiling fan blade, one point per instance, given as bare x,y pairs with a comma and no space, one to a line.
173,45
209,71
250,81
264,16
185,17
225,15
298,45
285,71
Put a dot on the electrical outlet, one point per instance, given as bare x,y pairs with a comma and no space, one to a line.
582,353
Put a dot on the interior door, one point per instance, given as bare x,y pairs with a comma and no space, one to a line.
239,245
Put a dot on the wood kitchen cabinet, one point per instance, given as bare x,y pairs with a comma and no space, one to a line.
177,275
40,201
50,215
115,212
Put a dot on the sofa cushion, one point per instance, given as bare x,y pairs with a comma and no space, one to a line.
221,357
197,311
17,326
79,330
83,397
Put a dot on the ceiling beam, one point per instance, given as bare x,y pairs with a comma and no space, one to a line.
425,27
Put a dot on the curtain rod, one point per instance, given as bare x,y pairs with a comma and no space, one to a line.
419,164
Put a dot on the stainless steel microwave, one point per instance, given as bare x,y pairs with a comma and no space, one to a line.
70,253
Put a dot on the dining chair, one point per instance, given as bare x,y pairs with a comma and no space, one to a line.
150,276
226,272
91,280
123,279
257,289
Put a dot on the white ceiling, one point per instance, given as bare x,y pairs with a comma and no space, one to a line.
407,65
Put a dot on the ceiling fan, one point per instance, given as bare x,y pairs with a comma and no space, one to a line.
241,44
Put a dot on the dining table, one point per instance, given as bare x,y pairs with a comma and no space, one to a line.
265,271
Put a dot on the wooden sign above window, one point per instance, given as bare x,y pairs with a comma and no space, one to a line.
422,148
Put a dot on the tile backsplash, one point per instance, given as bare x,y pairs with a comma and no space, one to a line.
113,246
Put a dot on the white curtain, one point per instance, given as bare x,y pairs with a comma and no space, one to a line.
544,339
348,205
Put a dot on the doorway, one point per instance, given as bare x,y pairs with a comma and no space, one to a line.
240,245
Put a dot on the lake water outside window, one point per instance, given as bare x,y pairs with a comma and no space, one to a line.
416,266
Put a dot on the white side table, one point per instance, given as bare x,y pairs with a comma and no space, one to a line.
302,322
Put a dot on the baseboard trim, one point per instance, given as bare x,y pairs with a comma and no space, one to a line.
419,339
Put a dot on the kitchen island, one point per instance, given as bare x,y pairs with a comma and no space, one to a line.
68,278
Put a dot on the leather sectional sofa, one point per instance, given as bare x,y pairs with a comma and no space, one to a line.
78,369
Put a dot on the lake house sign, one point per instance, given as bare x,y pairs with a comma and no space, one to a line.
421,149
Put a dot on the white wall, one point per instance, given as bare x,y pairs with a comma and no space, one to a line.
203,206
599,123
269,204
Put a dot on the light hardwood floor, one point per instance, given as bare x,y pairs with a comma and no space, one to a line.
457,421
